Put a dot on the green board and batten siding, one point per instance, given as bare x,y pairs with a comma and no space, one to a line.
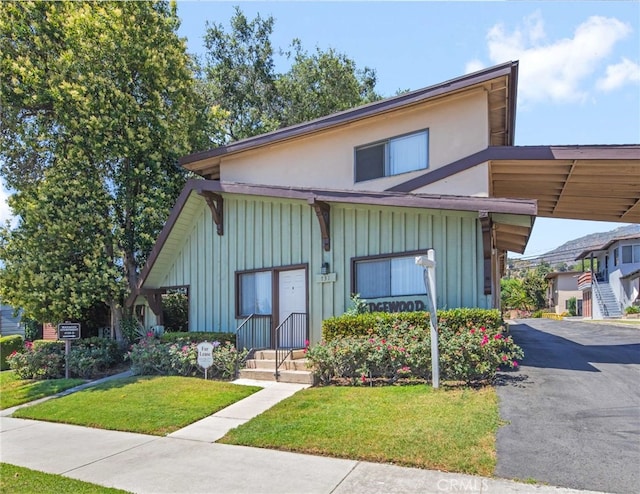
265,232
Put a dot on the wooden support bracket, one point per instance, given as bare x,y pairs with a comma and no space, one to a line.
322,210
485,222
215,203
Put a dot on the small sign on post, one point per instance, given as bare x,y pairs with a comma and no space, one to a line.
68,331
205,356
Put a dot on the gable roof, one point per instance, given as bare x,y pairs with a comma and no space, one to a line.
508,236
500,82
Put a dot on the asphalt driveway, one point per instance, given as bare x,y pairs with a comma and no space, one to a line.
573,408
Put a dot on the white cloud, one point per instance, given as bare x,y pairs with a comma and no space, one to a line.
558,70
625,72
473,66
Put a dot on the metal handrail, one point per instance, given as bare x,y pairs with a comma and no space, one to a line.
294,333
601,304
258,328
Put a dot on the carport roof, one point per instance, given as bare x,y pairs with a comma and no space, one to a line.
573,182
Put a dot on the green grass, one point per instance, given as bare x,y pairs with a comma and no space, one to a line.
450,430
26,481
15,391
148,405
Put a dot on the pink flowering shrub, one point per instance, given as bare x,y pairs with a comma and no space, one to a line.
401,348
46,359
180,358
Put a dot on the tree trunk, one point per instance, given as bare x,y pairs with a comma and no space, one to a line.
116,319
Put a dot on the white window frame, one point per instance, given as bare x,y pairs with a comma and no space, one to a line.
388,164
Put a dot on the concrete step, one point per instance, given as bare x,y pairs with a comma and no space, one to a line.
271,354
298,364
286,376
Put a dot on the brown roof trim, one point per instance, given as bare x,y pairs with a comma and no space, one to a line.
586,253
497,153
454,203
369,110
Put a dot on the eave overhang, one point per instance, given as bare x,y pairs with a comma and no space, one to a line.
500,82
510,234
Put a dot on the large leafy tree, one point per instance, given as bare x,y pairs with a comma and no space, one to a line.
252,98
322,83
97,102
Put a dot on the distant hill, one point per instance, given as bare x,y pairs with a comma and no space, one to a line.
571,249
568,251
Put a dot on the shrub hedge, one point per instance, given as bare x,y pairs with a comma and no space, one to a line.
180,357
8,345
473,345
361,325
198,337
44,359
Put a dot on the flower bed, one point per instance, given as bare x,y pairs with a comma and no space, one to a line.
151,356
399,347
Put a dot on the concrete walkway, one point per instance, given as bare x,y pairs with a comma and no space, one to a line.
189,461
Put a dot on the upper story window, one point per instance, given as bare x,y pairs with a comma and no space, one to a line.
394,156
630,254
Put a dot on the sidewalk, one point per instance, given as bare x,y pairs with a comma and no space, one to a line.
188,461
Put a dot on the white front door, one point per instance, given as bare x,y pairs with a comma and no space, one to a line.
292,298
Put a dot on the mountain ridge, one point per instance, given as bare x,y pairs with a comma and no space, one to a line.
568,251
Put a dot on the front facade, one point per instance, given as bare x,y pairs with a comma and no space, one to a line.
561,288
613,283
283,228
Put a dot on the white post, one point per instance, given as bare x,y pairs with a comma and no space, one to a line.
428,262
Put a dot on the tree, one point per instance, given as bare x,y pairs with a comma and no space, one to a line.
97,103
322,83
513,295
242,85
241,76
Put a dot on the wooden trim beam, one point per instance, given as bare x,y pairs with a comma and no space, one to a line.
215,203
485,223
323,212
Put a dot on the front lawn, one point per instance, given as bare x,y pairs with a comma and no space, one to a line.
26,481
148,405
15,391
446,429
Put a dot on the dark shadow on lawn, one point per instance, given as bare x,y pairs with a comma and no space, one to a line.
546,350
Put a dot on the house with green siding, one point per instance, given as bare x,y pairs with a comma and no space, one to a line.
282,228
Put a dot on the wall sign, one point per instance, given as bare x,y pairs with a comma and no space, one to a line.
397,305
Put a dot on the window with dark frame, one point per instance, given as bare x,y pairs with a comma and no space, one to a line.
255,293
393,156
391,276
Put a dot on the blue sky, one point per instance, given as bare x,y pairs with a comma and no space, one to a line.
579,74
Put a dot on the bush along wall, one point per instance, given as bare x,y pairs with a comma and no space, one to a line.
171,355
8,345
473,345
88,358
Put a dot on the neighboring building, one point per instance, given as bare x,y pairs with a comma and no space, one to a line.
616,284
561,287
284,227
10,323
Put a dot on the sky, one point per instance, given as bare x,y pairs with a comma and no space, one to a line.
579,62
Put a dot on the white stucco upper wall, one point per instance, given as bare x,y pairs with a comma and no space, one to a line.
458,127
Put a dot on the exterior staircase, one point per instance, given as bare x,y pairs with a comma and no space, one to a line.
607,301
262,367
